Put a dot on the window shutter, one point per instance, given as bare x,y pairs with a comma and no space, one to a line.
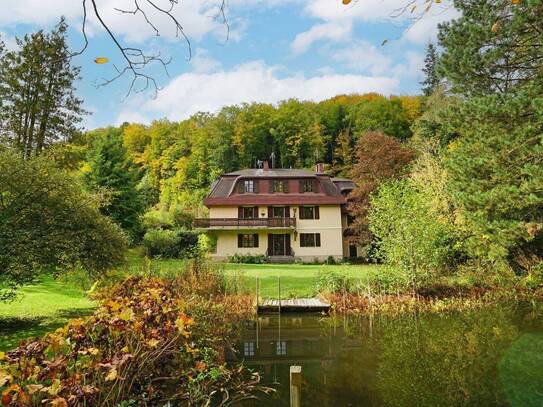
270,185
255,212
287,211
289,249
301,186
318,239
240,212
256,239
285,186
240,240
270,245
255,186
316,211
241,187
270,212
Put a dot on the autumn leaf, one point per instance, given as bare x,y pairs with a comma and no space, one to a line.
5,378
93,351
101,60
125,349
2,356
515,1
200,366
346,2
59,402
495,27
127,314
112,375
33,388
113,305
413,8
384,42
152,343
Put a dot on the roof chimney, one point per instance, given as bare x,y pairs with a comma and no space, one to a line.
319,168
266,165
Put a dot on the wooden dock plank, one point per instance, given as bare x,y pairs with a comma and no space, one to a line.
294,305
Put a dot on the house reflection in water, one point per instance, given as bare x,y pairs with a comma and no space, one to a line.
273,343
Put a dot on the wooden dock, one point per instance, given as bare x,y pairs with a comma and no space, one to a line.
294,305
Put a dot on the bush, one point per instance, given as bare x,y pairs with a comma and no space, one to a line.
171,244
331,281
148,343
247,258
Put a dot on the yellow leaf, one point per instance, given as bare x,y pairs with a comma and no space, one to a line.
2,355
515,1
125,349
127,314
112,375
413,8
152,343
438,1
54,388
93,351
5,378
33,388
495,27
346,2
101,60
114,305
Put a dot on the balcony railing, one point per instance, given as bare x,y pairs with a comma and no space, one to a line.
244,223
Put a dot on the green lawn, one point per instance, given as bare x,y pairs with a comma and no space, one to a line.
40,308
297,280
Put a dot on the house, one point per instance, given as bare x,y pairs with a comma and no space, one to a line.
284,214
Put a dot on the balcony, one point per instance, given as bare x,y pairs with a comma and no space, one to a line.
238,223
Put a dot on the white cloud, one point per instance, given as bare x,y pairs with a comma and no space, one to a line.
411,67
330,31
364,57
251,82
425,30
201,62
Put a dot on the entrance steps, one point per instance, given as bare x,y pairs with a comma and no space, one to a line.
281,259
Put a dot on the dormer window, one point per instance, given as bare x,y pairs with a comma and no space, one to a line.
279,186
248,186
307,185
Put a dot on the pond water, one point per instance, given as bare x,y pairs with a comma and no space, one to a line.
485,357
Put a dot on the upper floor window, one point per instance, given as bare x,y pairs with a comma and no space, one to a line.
309,212
248,212
248,186
310,239
250,240
279,186
307,185
278,211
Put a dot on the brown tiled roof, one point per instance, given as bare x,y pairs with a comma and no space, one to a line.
224,191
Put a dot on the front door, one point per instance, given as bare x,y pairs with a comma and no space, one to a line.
279,244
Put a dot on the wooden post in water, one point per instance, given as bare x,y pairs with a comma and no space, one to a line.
295,386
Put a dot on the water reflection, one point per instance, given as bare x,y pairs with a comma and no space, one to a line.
476,358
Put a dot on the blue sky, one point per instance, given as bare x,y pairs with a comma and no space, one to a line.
277,49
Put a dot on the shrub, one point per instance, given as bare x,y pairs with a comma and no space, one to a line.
148,343
171,243
330,260
331,281
247,258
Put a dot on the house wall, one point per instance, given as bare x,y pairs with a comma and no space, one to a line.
329,226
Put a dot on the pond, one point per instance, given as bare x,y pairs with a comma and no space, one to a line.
485,357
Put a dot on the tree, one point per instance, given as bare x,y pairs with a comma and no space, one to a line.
431,81
37,92
110,171
48,223
378,158
494,47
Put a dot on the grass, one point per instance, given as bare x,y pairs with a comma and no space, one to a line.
297,280
40,308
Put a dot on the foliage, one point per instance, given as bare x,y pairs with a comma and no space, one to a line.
247,258
431,81
378,158
37,93
176,243
496,174
331,281
409,238
109,171
493,47
48,222
148,342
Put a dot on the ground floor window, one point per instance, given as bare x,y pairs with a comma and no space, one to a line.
310,239
250,240
248,349
281,348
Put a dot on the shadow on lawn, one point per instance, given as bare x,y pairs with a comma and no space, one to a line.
14,330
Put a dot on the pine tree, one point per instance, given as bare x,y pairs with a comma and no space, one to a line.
37,92
432,79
